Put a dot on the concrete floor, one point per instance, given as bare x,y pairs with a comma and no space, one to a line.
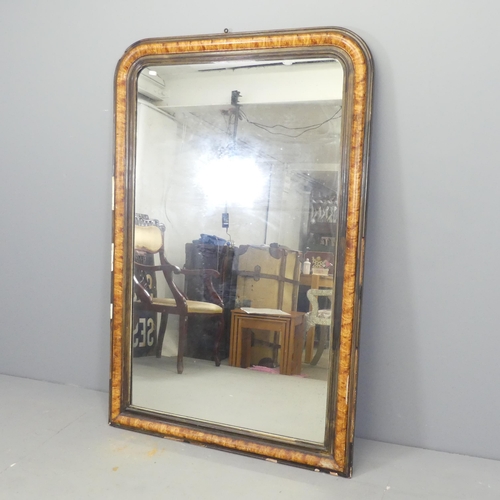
55,444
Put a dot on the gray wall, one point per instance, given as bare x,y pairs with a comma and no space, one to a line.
429,369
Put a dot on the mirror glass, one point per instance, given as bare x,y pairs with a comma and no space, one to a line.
237,174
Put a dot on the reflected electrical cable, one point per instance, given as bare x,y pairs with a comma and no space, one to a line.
305,129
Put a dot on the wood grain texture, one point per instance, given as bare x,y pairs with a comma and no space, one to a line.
347,375
336,456
118,298
279,453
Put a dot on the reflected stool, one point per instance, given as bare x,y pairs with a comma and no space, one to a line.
291,333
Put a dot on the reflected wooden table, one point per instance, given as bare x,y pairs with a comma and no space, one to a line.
289,327
314,281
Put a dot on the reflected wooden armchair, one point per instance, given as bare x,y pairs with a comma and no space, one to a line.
149,238
321,317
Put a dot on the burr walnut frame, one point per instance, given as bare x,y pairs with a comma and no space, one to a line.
334,456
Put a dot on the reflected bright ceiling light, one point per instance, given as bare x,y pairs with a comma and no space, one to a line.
228,178
152,72
231,180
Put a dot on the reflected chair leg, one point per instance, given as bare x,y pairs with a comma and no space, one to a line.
323,336
218,338
182,343
161,334
309,345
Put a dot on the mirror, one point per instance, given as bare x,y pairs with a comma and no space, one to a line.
239,197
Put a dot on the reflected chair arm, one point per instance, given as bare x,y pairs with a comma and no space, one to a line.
313,294
312,317
168,271
207,275
164,267
142,293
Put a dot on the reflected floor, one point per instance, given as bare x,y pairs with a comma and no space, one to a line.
318,371
292,406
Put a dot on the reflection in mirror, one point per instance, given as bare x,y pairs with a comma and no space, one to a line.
235,242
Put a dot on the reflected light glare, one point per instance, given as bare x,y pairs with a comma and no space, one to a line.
231,180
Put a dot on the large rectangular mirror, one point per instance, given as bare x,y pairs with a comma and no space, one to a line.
239,198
